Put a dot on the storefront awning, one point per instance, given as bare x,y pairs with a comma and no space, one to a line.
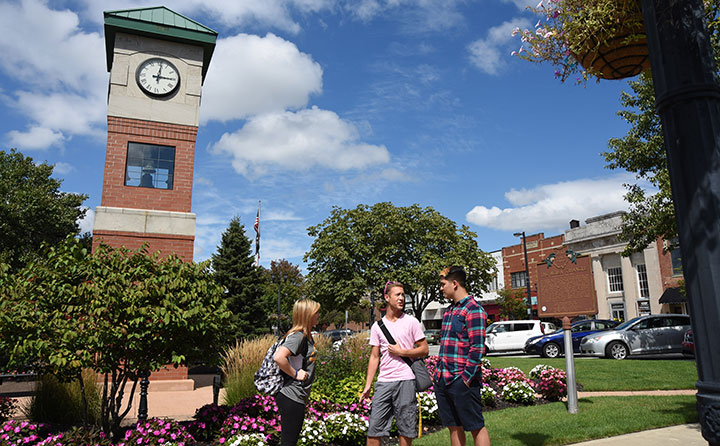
672,296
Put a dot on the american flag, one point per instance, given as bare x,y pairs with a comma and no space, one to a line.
257,236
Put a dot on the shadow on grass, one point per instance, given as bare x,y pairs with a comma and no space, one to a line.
531,439
687,409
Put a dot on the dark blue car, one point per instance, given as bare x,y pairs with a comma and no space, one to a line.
553,345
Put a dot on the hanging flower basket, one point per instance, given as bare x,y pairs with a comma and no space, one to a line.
622,56
594,38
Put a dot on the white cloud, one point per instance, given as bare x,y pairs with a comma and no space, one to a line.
276,249
416,16
86,223
489,54
280,216
251,75
552,206
59,69
36,138
63,168
233,14
299,141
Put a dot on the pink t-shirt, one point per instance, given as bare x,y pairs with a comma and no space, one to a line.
406,330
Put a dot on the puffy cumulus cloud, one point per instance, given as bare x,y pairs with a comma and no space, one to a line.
251,75
489,54
59,72
552,206
299,141
35,138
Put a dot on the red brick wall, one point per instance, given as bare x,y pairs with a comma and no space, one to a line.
182,245
169,372
124,130
666,271
538,248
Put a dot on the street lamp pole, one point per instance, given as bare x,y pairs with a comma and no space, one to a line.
527,273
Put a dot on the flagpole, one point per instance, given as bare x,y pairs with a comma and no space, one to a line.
257,236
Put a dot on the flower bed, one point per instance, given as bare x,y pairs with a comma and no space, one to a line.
255,421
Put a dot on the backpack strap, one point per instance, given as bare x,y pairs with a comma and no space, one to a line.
391,340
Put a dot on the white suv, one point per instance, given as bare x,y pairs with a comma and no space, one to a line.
511,335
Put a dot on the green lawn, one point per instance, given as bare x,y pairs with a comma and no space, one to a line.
609,374
599,417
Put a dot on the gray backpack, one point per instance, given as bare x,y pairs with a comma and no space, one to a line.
269,378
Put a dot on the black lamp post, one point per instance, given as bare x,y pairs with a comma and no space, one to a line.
687,98
527,273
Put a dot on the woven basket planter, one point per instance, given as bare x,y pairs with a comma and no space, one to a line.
618,58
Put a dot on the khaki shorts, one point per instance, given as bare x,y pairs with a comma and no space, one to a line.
394,398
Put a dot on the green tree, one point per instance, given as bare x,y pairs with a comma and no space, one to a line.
512,304
292,288
236,273
356,251
33,211
118,312
642,152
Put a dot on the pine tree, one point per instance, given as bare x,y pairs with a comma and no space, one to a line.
241,279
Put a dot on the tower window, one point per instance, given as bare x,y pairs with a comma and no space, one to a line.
150,165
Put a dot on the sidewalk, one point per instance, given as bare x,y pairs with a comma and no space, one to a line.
684,434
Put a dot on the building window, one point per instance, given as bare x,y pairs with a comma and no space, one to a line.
615,279
617,312
643,281
518,279
150,165
493,286
677,268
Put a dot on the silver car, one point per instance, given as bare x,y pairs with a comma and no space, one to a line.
653,334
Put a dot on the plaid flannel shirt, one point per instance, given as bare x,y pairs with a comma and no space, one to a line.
462,342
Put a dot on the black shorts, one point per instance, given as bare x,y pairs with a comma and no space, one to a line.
460,405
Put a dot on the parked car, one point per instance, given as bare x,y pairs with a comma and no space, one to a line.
512,335
652,334
336,335
688,343
553,345
432,336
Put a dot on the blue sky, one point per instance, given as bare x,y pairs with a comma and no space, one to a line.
310,104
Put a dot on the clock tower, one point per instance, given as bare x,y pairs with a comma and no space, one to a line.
157,61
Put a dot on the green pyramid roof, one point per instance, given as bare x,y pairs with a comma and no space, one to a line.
159,23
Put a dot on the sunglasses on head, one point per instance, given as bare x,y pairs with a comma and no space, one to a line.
387,284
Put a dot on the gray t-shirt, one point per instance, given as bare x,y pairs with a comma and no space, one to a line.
299,391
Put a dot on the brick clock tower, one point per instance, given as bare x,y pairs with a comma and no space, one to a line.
157,61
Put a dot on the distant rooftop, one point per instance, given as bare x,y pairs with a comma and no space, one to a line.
161,23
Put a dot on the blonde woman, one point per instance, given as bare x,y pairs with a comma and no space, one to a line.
296,358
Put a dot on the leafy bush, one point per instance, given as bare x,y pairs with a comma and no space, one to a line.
239,364
61,403
346,429
344,390
21,433
157,432
518,392
313,433
78,437
7,408
488,395
552,384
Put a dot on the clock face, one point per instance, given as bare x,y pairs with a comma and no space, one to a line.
157,77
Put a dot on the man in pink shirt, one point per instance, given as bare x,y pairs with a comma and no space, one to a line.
395,386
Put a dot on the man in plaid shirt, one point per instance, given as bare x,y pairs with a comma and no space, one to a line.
458,379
